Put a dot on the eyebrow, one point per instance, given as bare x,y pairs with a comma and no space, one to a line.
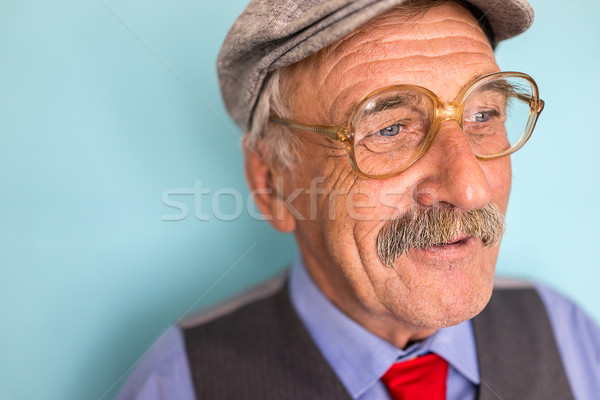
393,101
506,88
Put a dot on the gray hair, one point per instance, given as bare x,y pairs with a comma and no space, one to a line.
279,144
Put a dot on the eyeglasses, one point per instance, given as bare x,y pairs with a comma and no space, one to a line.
391,128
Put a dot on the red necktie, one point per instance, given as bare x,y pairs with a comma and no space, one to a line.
423,378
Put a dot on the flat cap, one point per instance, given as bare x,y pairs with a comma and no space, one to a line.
271,34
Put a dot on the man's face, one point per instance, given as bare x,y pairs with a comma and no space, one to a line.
427,288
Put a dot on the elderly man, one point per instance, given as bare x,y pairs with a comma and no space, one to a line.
379,133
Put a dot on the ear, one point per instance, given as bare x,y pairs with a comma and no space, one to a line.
268,196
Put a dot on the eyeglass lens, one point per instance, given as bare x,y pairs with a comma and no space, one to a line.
393,125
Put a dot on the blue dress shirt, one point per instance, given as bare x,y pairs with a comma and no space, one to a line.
360,358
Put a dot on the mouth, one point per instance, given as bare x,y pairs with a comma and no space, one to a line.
458,241
459,247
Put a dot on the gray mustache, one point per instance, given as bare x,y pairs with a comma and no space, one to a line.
425,227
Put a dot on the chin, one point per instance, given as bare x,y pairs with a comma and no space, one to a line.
439,292
439,299
461,308
452,304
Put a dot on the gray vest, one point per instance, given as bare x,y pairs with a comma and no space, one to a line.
262,351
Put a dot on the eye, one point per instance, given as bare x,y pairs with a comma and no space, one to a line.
482,116
391,130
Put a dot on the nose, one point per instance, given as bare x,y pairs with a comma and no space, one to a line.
454,175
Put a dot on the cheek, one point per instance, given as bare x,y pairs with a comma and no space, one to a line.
367,207
350,213
499,176
330,199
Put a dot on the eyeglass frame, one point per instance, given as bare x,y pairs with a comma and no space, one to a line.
442,112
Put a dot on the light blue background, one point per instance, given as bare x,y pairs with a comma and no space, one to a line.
105,106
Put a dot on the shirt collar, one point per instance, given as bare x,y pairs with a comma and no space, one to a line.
359,357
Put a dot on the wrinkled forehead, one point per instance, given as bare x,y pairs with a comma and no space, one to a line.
441,49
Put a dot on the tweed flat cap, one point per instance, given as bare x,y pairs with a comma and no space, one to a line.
271,34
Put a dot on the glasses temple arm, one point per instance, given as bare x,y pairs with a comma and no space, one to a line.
328,131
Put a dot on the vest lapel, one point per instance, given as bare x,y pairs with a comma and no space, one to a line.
517,352
260,352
